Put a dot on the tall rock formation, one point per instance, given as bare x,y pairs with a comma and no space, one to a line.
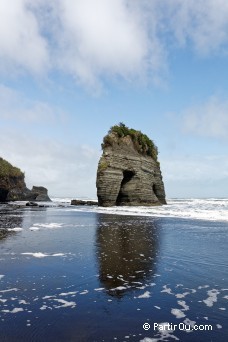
128,171
13,187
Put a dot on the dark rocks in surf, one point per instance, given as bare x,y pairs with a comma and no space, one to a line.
3,233
82,202
40,194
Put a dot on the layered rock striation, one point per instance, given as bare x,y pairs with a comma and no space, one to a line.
13,187
128,171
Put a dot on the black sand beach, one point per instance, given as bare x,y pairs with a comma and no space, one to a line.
71,275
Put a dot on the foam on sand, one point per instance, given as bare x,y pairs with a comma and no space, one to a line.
145,295
16,229
167,289
178,313
65,303
14,311
34,228
9,290
119,288
68,293
99,289
84,292
51,225
42,255
199,209
212,297
183,304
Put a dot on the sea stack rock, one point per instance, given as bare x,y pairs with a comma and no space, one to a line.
128,171
40,194
13,187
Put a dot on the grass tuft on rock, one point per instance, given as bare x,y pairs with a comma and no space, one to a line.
142,143
8,170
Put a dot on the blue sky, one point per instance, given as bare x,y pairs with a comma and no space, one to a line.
69,70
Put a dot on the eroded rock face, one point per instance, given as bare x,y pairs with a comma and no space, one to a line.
13,187
40,194
127,177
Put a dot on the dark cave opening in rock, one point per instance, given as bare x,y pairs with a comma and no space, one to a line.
123,193
154,189
3,195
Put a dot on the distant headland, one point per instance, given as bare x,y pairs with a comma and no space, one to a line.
13,187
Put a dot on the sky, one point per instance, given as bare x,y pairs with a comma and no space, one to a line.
71,69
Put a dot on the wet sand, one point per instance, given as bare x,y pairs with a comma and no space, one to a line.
87,276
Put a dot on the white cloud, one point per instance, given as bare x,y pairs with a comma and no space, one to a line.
16,107
100,39
209,119
65,169
194,176
21,44
203,24
196,168
109,39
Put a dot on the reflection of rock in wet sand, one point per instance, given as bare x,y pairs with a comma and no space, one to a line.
9,218
126,251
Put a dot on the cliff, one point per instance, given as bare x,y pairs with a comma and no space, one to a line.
13,187
128,171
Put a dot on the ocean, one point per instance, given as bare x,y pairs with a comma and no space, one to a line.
114,274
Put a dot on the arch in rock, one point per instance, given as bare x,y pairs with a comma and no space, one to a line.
124,193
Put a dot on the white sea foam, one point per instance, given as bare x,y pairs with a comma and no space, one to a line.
16,229
22,301
182,295
15,310
99,289
42,255
1,276
178,313
119,288
65,303
60,200
34,228
183,304
212,297
202,209
145,295
9,290
167,289
51,225
43,307
84,292
68,293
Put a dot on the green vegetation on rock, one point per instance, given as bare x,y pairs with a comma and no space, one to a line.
8,170
103,165
142,143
